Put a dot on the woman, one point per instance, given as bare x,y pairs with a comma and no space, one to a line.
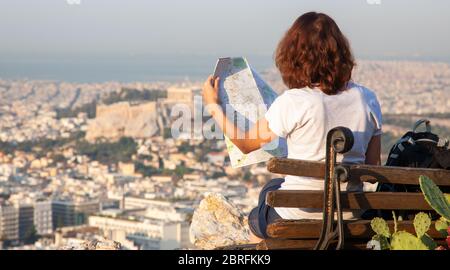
316,63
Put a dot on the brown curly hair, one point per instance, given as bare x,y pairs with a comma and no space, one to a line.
315,53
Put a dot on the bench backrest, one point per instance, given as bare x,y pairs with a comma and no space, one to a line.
364,173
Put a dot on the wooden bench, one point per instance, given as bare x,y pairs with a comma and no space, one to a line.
304,234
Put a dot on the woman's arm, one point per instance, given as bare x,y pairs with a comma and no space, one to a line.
247,142
373,154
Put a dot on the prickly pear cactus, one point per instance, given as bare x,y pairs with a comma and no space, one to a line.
405,241
442,226
422,223
402,240
380,227
435,197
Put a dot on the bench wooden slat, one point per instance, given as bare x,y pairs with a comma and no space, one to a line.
359,200
296,167
289,244
398,175
308,229
366,173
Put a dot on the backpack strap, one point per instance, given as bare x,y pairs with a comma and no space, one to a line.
399,144
420,122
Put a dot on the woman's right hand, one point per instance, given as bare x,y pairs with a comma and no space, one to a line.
211,90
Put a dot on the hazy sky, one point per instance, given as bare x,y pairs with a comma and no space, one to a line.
227,27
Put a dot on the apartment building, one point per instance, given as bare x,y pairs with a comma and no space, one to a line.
9,222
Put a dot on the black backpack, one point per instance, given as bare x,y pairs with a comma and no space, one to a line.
418,150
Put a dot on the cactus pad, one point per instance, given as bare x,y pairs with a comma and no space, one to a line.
441,226
435,197
428,241
380,227
422,223
405,241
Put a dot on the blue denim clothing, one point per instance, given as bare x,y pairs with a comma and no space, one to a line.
262,215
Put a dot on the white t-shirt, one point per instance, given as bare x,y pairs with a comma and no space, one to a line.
304,117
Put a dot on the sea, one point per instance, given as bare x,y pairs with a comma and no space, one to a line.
91,68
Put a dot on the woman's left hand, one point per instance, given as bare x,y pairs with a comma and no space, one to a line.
211,90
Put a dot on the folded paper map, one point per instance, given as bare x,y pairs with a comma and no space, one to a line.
242,89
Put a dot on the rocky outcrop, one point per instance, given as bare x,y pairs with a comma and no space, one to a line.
217,222
123,120
95,245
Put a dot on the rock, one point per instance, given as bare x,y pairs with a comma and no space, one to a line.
217,223
105,245
95,245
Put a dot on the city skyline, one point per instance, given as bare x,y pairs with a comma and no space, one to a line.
96,166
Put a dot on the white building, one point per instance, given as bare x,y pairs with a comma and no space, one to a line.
157,209
43,221
146,233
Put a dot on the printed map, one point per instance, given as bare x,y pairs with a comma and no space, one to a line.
242,89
